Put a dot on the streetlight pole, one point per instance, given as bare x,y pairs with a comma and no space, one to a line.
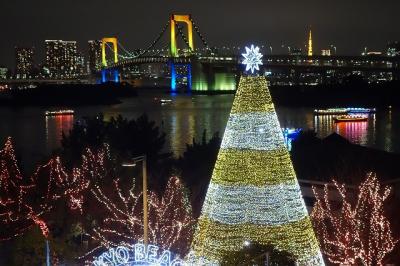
47,253
145,203
135,160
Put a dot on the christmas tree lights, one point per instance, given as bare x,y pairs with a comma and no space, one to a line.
254,195
354,233
171,224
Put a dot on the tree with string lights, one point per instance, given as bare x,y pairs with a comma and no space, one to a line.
31,202
354,233
171,224
16,215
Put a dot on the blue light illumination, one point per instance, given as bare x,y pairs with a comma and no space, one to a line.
116,76
173,77
189,77
103,76
106,74
137,255
290,134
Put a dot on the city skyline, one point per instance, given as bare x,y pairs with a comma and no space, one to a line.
349,27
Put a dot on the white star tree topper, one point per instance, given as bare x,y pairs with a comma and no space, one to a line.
252,58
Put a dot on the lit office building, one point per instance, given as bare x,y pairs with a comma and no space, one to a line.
326,52
393,49
94,55
4,71
24,62
62,58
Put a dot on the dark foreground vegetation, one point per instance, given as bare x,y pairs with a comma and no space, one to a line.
313,159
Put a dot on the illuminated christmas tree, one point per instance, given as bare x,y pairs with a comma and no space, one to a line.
254,196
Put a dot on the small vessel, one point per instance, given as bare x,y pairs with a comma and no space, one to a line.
331,111
162,101
344,111
165,101
350,118
59,112
353,110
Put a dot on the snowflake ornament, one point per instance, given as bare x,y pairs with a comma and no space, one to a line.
252,58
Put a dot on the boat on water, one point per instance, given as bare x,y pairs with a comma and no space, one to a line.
165,101
350,118
361,110
331,111
162,101
59,112
344,111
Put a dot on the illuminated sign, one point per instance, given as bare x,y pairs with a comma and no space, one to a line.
138,255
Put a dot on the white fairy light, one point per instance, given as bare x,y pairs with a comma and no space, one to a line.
254,194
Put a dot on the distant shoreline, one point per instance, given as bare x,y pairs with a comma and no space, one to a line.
353,93
69,95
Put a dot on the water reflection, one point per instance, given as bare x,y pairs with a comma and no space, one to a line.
360,132
185,118
55,126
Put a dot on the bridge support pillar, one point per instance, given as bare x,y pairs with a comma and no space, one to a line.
175,75
110,75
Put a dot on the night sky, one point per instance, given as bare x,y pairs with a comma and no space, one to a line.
348,24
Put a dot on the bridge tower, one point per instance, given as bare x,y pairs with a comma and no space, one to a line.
185,19
104,73
174,19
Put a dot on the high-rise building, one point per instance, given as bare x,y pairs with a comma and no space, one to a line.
326,52
53,57
80,64
24,62
393,48
310,51
62,58
94,55
4,72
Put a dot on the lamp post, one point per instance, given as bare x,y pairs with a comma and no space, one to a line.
135,160
47,253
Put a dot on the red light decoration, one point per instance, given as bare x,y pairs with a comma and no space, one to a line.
118,214
358,233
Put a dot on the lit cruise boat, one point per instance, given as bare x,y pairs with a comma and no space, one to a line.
361,110
343,111
59,112
331,111
350,118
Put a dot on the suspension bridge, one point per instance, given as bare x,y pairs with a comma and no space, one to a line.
207,68
175,58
